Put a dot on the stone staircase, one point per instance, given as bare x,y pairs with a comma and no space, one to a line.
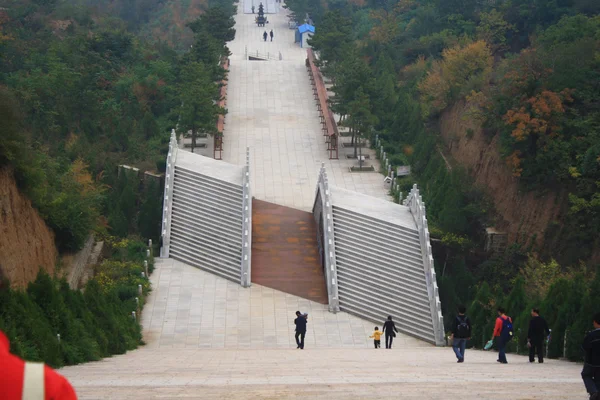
207,214
206,223
380,272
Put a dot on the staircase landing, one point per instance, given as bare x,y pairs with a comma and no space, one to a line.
285,255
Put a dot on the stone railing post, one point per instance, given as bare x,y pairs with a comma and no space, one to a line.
245,271
165,231
417,208
328,241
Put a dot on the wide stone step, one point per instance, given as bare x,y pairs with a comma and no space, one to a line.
342,248
382,281
203,180
378,319
233,251
372,227
202,250
383,236
208,193
392,298
375,221
408,274
201,186
407,322
215,231
195,213
373,245
221,206
180,251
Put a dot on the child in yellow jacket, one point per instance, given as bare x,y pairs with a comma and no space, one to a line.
377,337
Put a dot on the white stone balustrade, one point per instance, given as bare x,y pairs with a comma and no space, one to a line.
168,195
245,278
417,208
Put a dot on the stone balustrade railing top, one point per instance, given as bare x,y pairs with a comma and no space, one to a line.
417,208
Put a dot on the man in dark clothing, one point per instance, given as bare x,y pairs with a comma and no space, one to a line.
538,330
300,322
265,36
271,34
591,365
461,332
389,328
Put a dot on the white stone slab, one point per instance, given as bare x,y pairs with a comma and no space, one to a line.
210,167
373,207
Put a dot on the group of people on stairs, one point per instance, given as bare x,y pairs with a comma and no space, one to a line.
538,331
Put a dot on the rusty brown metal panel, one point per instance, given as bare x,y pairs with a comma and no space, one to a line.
285,255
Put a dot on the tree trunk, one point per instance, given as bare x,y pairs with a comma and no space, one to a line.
360,161
355,139
193,138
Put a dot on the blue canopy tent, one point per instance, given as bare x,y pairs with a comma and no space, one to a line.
303,33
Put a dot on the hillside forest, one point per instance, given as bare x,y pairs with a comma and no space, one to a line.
86,86
513,80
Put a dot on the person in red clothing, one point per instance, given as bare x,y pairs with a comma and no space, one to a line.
501,341
40,382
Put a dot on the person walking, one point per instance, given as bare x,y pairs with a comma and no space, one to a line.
503,332
377,337
389,328
591,364
271,34
252,9
300,322
538,330
265,36
461,332
26,380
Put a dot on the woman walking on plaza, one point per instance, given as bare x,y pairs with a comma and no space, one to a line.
389,328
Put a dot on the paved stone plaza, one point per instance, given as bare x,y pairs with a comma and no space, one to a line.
209,338
271,109
194,309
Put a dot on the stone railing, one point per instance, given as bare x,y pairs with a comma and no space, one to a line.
324,207
417,208
165,232
246,263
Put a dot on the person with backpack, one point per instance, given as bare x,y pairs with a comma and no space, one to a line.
461,332
591,365
503,333
538,330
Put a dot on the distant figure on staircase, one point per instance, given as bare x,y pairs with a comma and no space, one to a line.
389,328
271,34
265,36
377,337
252,9
300,322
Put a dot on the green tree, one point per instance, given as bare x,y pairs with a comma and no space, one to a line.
199,95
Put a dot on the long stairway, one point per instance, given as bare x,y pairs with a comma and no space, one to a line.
207,215
206,223
380,272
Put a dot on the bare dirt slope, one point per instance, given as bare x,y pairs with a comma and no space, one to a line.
26,243
523,215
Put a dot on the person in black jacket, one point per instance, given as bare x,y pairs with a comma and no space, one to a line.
300,322
538,330
591,366
389,328
461,332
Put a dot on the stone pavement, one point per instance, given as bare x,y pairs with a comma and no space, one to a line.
209,338
271,110
190,308
404,373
